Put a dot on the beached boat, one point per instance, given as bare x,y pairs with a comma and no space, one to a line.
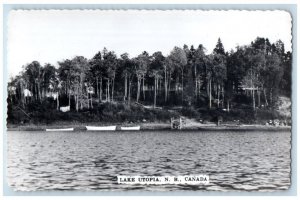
130,128
101,128
60,129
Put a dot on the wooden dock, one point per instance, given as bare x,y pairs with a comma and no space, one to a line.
178,123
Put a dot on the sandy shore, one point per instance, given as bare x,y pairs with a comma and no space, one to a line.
157,126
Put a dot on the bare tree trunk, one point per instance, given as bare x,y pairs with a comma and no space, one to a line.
113,89
129,92
97,89
22,96
77,102
227,105
155,88
258,98
106,95
196,84
209,93
223,96
88,98
81,95
144,87
253,98
100,89
42,92
92,101
166,85
39,92
160,85
252,90
125,92
77,106
196,89
138,89
176,85
169,82
265,95
57,102
218,94
182,86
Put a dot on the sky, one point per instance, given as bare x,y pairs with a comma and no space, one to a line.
54,35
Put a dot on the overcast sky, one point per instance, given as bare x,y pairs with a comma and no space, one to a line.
51,36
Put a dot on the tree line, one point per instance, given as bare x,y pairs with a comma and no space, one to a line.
188,76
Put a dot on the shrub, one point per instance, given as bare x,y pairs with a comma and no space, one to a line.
190,112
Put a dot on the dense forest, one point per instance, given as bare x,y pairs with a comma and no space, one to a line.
245,83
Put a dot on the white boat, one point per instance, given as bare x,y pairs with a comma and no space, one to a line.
60,129
101,128
130,128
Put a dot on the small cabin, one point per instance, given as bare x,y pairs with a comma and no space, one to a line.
27,93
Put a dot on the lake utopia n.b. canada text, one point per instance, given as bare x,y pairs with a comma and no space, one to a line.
233,160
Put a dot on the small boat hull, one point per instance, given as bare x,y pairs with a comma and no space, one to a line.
60,129
133,128
101,128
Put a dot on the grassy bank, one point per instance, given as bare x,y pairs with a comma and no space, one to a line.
39,116
102,114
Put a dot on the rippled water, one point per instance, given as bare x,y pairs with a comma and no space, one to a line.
251,161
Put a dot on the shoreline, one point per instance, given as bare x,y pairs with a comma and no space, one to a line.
156,127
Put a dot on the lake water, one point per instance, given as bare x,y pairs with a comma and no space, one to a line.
234,161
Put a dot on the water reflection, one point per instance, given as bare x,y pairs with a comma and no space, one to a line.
244,161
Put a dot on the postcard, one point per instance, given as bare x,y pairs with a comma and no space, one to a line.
149,100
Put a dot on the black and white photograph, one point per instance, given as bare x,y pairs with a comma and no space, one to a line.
149,100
